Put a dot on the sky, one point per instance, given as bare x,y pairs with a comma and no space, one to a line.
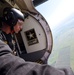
56,11
60,17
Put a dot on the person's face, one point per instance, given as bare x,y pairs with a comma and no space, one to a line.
18,26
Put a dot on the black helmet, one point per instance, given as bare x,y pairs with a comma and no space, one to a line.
11,16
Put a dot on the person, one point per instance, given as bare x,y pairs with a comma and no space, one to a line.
12,23
14,65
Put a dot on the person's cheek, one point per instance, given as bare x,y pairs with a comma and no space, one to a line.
21,28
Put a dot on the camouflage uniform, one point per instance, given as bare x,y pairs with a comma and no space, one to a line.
10,40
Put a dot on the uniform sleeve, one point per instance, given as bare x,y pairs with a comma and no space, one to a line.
14,65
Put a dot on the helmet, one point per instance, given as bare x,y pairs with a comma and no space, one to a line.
11,16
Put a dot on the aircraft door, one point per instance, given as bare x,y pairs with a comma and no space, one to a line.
37,39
